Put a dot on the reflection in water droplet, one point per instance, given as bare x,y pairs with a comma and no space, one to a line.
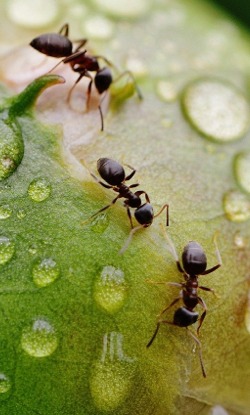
242,170
111,378
5,212
100,223
247,314
7,249
5,384
39,190
218,410
39,339
32,13
236,206
166,91
110,290
45,272
216,109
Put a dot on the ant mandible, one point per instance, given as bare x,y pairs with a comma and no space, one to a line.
57,45
84,63
114,175
194,262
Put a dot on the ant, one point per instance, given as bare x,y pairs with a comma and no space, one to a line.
83,64
114,175
194,262
57,45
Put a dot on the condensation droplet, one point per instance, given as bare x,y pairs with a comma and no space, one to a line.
39,338
5,383
166,91
242,170
239,241
21,214
236,206
218,410
45,272
32,13
7,249
123,8
39,190
98,27
247,314
5,212
216,109
110,289
100,223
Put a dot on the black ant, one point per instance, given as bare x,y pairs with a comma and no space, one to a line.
113,173
84,63
57,45
194,265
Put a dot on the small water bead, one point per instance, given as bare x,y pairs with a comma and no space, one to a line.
21,214
7,249
242,170
39,190
216,109
110,289
5,212
45,272
39,339
5,383
236,206
32,13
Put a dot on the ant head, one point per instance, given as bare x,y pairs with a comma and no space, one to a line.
184,317
144,214
194,259
52,44
111,171
103,80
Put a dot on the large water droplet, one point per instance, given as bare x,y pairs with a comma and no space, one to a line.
5,383
39,339
236,206
7,249
242,170
5,212
39,190
110,290
11,146
216,109
32,13
45,272
98,27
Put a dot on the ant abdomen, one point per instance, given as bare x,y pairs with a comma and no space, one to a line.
111,171
184,317
194,259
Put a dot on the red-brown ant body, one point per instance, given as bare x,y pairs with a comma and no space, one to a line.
194,265
114,175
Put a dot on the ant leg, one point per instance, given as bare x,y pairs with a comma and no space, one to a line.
125,246
107,186
100,210
130,217
64,31
129,176
172,249
170,305
197,341
76,82
209,289
208,271
141,192
154,335
166,206
81,42
203,304
129,73
133,185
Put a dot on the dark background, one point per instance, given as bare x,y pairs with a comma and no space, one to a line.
239,9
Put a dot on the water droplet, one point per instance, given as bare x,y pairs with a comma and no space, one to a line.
136,66
98,27
32,249
218,410
5,383
5,212
216,109
242,170
11,146
111,378
166,91
39,339
45,272
32,13
236,206
247,314
100,223
110,290
39,190
239,241
21,214
7,249
123,8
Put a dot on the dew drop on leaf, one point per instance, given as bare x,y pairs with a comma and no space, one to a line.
5,212
7,249
5,383
236,206
45,272
242,170
39,190
39,339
